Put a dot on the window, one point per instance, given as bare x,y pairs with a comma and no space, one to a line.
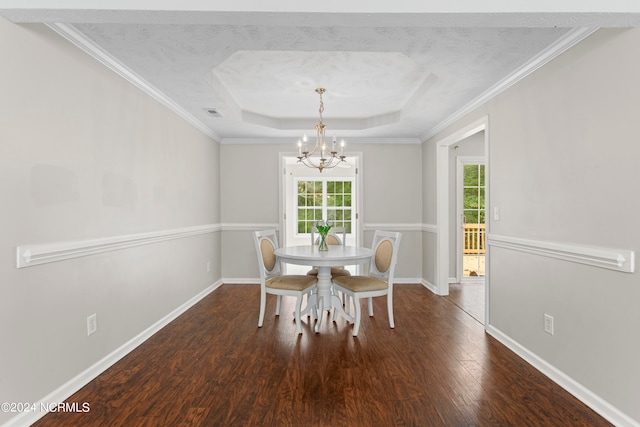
328,199
474,217
474,193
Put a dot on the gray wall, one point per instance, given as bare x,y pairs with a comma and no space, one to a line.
563,168
85,155
392,197
429,217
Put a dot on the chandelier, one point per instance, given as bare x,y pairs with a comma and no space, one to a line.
326,158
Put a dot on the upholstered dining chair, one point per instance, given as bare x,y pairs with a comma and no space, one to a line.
336,236
272,281
378,282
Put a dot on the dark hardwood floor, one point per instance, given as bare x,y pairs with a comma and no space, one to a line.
469,296
213,367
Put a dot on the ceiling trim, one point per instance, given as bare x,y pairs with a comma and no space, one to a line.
499,13
292,141
569,40
563,44
96,52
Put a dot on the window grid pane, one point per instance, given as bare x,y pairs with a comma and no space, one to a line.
336,204
339,203
309,200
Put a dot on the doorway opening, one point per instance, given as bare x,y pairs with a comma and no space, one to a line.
471,296
471,218
306,195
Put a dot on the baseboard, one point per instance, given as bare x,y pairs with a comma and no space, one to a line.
406,281
433,288
70,387
241,281
586,396
254,281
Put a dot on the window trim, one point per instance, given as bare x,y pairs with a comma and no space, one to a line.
324,207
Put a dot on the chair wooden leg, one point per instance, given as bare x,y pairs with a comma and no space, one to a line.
309,308
263,303
297,314
390,310
335,313
370,306
347,304
278,303
346,301
356,326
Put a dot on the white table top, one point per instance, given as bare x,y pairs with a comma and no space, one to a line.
336,255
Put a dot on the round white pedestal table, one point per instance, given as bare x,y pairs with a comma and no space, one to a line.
337,255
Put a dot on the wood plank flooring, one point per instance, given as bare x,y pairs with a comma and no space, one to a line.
214,367
469,296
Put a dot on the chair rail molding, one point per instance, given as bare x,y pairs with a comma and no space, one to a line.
42,253
613,259
430,228
392,227
227,226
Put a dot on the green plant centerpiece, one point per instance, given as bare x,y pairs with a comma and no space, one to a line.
323,229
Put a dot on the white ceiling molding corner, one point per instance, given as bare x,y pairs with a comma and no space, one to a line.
398,72
106,59
293,141
569,40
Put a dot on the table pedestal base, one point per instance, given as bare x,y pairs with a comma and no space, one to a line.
337,255
325,300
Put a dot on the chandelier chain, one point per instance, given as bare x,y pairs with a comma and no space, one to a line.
321,109
328,157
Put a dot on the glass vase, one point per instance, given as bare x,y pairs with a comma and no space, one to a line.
322,246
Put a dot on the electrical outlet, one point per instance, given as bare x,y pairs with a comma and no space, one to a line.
208,266
92,324
548,324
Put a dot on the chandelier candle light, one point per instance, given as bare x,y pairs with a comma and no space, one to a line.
328,159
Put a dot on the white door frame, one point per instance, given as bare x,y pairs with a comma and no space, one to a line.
442,203
357,221
461,161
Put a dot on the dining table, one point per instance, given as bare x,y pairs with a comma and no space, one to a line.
334,256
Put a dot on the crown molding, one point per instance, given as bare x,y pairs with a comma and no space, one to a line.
569,40
563,44
293,140
88,46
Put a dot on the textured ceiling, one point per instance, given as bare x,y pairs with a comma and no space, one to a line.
381,82
386,76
